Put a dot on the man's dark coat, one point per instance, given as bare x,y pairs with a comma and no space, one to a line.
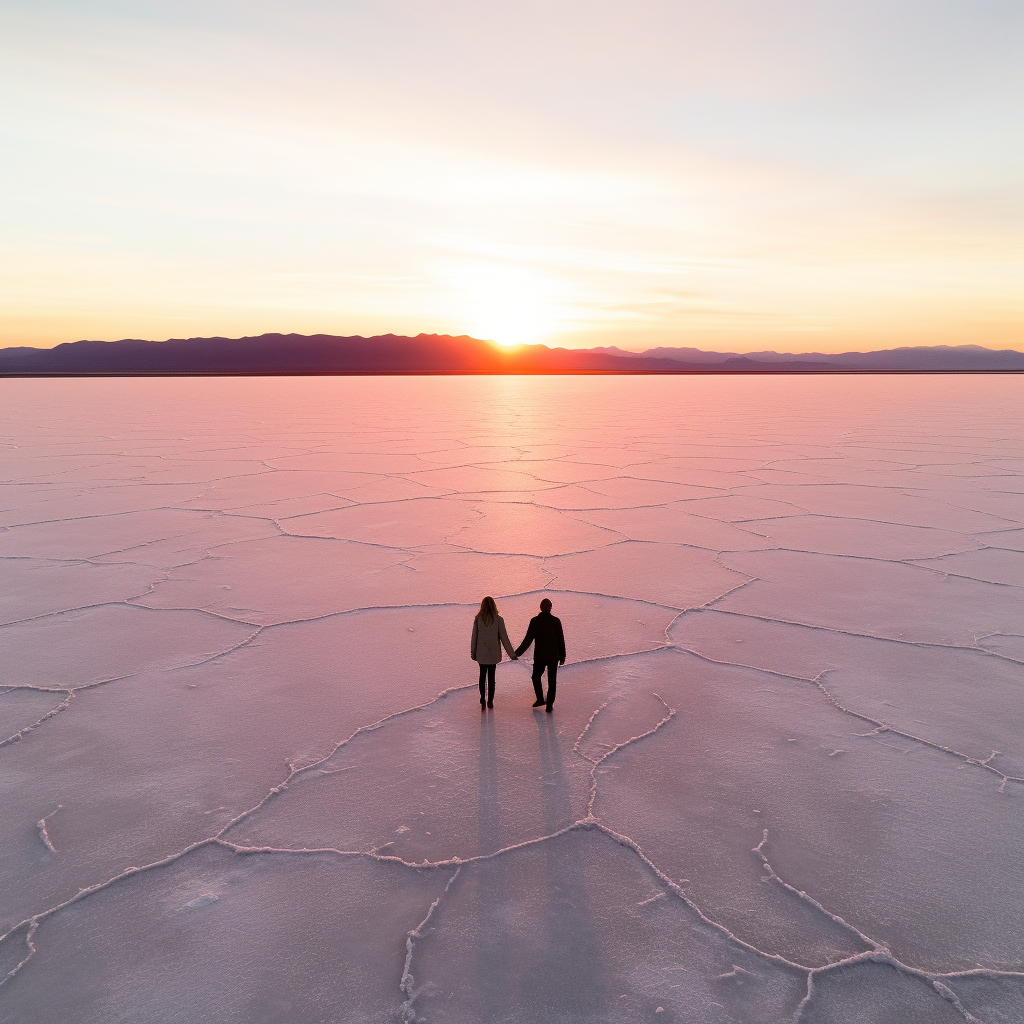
546,633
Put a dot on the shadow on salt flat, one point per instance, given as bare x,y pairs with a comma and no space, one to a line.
571,930
448,781
185,751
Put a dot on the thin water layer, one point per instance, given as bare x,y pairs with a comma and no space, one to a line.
244,771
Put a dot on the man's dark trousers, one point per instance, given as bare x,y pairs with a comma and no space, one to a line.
538,671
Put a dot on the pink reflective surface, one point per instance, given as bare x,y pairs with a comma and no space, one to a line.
246,776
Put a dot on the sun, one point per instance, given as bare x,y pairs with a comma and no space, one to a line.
509,307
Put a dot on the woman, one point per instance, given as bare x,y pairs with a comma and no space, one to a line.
489,636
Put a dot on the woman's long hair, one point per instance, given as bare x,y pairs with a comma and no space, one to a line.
488,610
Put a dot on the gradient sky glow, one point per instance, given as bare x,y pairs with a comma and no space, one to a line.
744,174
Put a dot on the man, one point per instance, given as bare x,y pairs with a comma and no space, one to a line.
546,633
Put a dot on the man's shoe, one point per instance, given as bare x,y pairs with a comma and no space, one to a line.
538,703
483,706
548,709
490,703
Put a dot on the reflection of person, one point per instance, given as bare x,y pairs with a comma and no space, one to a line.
545,633
489,636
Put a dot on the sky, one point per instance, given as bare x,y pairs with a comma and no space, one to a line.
797,175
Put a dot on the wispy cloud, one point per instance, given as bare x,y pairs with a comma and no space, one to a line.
583,173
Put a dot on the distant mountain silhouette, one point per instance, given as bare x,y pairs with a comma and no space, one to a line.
438,353
946,358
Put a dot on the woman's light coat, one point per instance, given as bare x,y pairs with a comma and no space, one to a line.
488,641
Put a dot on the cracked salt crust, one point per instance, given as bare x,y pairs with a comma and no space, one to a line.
245,773
673,524
829,536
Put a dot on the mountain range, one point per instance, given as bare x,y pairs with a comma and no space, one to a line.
438,353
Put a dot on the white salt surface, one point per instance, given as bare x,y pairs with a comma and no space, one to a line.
243,771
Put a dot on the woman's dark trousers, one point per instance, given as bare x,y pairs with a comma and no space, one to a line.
487,672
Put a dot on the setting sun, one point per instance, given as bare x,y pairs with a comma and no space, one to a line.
506,306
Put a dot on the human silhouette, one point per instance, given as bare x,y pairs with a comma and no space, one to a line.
545,633
489,636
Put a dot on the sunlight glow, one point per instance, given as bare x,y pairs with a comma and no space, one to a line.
734,177
510,307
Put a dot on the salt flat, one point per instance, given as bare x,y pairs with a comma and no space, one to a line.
244,774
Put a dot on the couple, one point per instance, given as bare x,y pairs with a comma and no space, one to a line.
489,636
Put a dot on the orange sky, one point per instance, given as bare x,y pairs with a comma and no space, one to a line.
801,176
